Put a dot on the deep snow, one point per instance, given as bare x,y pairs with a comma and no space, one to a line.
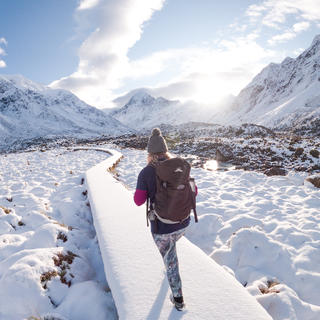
260,228
48,204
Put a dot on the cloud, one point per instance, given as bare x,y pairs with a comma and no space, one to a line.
205,74
87,4
282,37
275,12
298,51
103,58
290,34
301,26
3,41
2,52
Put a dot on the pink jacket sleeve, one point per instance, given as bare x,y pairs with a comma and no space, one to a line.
140,197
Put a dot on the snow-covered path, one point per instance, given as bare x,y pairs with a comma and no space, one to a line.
135,270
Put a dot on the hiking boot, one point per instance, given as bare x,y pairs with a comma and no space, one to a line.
178,302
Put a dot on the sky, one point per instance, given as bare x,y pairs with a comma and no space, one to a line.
199,50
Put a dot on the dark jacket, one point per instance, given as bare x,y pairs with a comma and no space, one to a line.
147,187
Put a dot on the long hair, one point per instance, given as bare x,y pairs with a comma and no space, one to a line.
155,157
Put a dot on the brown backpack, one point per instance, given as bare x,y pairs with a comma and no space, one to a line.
175,196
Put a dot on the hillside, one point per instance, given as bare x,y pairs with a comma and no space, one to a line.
31,111
281,96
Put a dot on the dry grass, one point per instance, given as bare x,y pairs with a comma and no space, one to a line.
47,276
55,221
270,287
62,236
6,210
63,261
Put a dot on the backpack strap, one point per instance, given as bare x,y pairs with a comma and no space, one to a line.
193,201
195,214
147,211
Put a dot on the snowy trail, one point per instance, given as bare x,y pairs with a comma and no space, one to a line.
135,270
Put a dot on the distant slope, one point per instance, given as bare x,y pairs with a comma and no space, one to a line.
143,111
29,110
282,95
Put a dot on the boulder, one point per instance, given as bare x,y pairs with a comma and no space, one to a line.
315,180
275,171
315,153
298,152
224,154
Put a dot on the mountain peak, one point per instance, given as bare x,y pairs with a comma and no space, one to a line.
316,40
141,97
21,82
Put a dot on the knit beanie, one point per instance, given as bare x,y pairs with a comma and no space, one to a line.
156,143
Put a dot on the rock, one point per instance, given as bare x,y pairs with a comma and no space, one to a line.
298,152
315,180
224,154
315,153
275,171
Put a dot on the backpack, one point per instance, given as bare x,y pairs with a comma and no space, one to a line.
175,196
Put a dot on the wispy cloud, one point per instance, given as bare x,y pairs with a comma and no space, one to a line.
301,26
87,4
273,13
103,60
3,41
290,33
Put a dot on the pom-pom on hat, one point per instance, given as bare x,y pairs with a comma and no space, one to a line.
156,143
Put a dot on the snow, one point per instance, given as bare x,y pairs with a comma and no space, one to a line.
45,197
263,230
135,269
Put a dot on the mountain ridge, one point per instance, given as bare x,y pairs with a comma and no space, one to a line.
29,111
282,94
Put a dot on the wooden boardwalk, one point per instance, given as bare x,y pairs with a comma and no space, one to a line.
135,271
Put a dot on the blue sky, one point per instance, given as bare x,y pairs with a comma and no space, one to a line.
201,50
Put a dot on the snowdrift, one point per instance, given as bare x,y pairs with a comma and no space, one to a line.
135,270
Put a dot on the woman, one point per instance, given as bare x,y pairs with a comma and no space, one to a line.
165,235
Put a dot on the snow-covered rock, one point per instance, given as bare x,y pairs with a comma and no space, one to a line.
29,110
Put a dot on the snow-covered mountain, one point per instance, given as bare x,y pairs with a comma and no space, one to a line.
282,95
143,111
29,110
122,100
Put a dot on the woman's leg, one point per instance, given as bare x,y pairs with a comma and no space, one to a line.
166,244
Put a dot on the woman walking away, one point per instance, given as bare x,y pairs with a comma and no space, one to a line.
168,220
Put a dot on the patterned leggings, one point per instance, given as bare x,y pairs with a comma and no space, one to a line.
166,244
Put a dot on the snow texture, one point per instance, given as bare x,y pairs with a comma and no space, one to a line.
43,213
135,269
